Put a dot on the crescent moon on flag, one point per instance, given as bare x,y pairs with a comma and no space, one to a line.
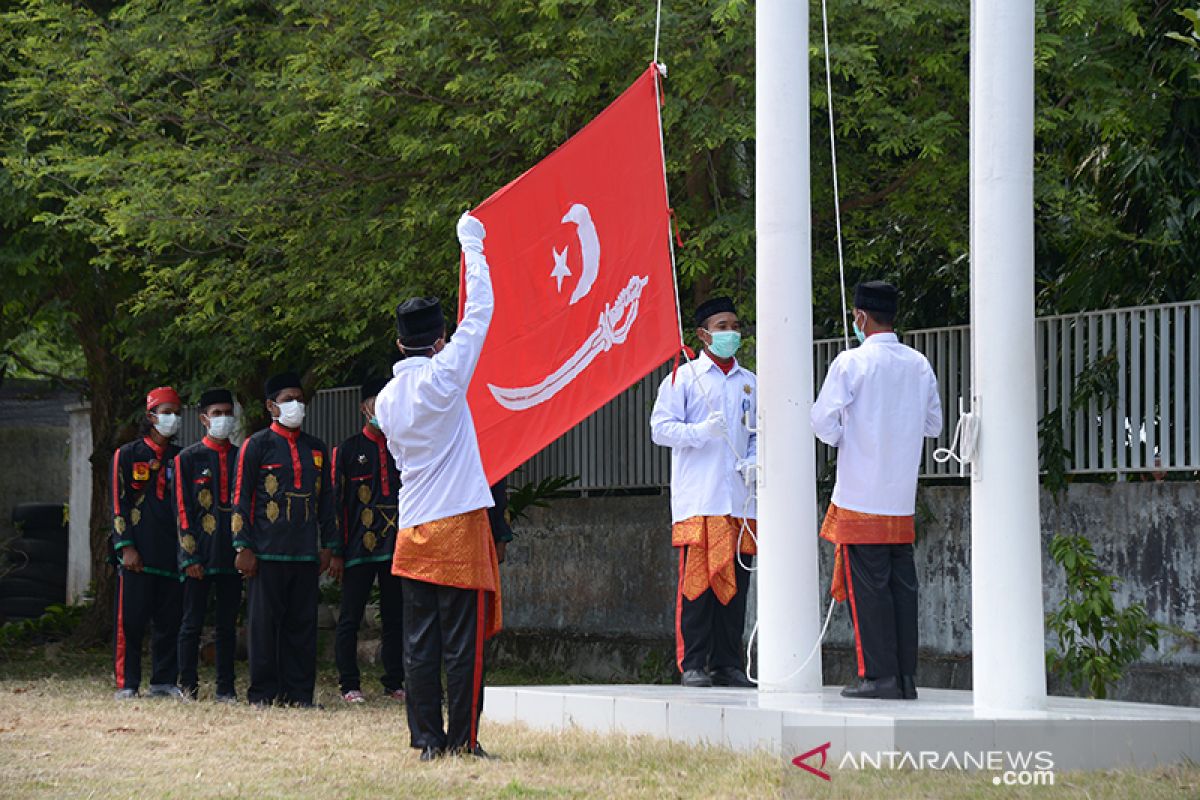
589,244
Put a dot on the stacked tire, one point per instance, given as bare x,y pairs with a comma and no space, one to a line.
33,566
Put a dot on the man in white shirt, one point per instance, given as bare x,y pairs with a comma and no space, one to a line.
878,403
705,413
445,554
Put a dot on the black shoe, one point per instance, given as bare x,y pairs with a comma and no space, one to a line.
874,689
731,676
430,753
477,751
908,687
695,677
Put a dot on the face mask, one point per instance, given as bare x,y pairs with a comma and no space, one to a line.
291,413
374,423
725,343
167,424
858,333
221,427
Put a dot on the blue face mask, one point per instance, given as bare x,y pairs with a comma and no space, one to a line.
374,423
858,333
725,344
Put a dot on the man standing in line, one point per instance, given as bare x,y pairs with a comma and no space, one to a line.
366,485
204,476
705,413
445,553
285,534
877,405
144,539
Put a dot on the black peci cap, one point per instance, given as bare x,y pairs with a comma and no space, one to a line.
419,322
715,305
877,296
284,380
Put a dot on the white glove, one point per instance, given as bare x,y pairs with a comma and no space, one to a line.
470,233
745,468
714,427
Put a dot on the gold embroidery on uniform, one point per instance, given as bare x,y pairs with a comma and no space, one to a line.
119,524
208,523
188,543
205,499
271,484
389,523
135,516
141,499
272,511
367,516
369,540
236,523
364,493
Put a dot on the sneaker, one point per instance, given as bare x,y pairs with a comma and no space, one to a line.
395,694
354,696
125,694
167,690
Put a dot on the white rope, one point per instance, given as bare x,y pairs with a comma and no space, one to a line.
657,29
816,646
965,444
837,202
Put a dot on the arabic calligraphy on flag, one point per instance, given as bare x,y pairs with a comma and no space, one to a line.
579,250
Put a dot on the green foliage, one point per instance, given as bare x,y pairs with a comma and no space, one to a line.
1097,381
1191,39
58,622
1096,640
536,495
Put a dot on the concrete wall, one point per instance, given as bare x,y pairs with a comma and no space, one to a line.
589,585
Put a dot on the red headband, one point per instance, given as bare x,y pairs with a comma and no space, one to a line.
163,394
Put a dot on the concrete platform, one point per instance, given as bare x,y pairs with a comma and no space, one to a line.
1078,734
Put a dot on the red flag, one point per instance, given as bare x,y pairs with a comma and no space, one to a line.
579,250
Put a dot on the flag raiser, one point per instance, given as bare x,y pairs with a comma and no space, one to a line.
580,256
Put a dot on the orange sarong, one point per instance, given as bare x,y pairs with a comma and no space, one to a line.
711,543
843,527
456,551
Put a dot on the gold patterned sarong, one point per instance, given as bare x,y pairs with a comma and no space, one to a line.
711,545
456,551
843,527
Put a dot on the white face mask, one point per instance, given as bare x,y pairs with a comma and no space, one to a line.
291,413
221,427
167,424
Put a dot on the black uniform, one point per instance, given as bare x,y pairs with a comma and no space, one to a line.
144,517
283,512
366,484
204,476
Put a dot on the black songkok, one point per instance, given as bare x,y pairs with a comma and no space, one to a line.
715,305
284,380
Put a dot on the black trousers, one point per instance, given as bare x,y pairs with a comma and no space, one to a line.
882,585
356,590
709,635
227,593
146,600
443,624
282,618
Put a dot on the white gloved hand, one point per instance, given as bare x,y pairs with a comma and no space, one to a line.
470,233
745,468
714,427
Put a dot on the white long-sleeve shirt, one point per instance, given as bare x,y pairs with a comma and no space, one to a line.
877,405
424,414
704,476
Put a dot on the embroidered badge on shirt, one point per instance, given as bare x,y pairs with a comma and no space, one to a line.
364,493
271,484
141,471
318,458
746,388
362,458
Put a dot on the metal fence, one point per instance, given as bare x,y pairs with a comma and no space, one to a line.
1149,421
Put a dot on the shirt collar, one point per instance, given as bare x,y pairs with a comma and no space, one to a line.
882,338
705,363
158,451
214,444
287,433
372,433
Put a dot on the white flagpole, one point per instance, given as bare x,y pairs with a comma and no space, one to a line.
788,592
1008,646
